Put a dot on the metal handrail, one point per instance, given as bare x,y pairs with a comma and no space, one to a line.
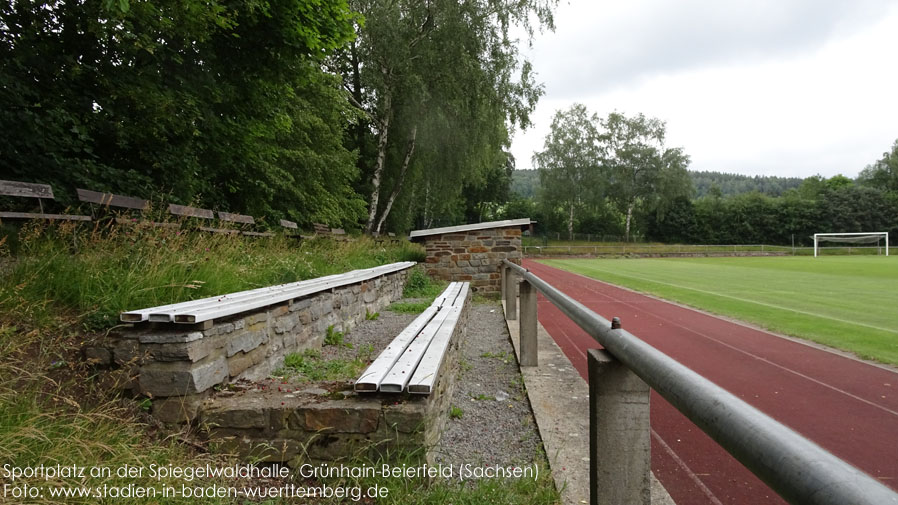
799,470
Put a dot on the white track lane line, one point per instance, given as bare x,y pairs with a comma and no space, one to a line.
689,473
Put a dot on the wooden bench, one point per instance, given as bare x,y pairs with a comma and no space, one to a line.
412,361
31,190
122,202
215,307
195,212
245,220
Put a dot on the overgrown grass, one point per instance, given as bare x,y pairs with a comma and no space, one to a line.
410,307
421,285
310,366
95,273
418,285
65,282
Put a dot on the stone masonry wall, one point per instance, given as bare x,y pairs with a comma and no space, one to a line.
178,368
473,256
266,424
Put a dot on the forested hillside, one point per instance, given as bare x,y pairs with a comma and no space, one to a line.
524,183
735,184
356,113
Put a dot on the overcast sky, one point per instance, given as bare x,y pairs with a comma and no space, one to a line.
760,87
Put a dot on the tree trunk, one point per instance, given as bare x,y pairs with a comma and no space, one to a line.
570,223
409,150
629,218
428,218
379,164
360,126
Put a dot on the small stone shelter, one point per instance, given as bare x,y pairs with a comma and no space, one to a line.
472,252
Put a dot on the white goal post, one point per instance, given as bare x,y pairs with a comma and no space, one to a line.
854,238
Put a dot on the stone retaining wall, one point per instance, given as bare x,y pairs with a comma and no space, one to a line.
178,367
473,256
274,423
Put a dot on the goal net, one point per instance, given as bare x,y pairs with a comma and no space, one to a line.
851,238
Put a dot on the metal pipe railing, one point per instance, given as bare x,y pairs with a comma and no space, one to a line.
799,470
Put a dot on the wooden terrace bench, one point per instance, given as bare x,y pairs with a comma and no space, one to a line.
413,359
122,202
244,220
31,190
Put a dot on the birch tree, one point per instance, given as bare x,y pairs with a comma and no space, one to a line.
640,168
439,81
569,164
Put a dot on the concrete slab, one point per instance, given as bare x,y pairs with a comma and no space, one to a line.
560,401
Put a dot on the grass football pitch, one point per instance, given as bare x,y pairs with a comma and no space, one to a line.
849,303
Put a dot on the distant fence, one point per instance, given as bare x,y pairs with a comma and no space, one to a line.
693,249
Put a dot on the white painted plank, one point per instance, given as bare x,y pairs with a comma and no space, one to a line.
255,302
282,292
400,374
162,310
426,374
372,377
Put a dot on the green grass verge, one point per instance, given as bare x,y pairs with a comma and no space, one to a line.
844,302
310,366
418,285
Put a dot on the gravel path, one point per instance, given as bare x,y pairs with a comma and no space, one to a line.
496,426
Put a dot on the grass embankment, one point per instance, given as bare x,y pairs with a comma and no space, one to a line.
66,284
421,287
844,302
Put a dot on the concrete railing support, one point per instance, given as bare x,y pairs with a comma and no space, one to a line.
619,433
528,325
511,296
504,272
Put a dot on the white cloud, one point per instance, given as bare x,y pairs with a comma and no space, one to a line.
778,88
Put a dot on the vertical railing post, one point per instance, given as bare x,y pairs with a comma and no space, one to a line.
619,432
528,324
503,270
511,297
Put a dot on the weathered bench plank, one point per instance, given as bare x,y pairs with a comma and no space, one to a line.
128,202
373,376
236,218
32,215
429,367
402,371
26,189
197,311
186,211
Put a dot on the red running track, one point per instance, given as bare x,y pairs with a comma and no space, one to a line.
847,406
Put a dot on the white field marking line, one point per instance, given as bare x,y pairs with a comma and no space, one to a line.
759,358
689,473
854,323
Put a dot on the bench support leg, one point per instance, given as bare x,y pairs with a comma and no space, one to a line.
619,433
528,324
